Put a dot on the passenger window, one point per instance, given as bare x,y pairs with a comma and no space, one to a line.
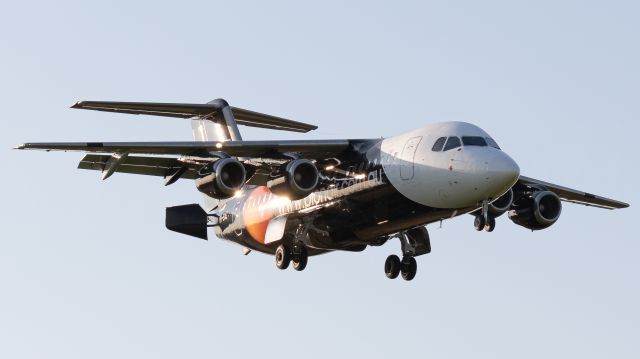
453,142
474,141
492,142
437,147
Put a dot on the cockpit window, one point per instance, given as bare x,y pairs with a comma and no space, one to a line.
453,142
474,141
437,147
492,142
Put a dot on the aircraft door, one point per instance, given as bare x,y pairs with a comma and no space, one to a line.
407,157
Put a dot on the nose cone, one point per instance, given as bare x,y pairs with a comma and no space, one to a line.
503,171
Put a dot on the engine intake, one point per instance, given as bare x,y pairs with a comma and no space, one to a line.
227,178
300,178
538,211
502,204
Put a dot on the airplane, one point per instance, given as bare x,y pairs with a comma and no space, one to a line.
299,198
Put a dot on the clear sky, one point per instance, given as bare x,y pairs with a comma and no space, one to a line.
87,268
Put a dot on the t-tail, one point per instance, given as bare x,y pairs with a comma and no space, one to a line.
215,121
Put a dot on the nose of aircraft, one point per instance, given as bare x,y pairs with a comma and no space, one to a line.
503,170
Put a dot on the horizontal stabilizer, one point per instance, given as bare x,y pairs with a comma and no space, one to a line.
184,110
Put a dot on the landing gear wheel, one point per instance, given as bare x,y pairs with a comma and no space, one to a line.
479,223
300,260
392,266
491,225
283,257
409,268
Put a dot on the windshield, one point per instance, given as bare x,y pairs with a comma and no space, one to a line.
439,144
492,142
474,141
453,142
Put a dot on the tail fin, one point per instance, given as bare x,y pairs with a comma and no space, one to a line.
218,126
213,121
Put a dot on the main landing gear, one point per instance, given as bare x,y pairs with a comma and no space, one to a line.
413,242
393,266
296,253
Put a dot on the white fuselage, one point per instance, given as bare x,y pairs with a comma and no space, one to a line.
451,178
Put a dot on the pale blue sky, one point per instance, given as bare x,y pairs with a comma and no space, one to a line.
87,268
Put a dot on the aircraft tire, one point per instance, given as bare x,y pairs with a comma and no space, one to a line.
479,223
491,225
300,260
283,257
409,268
392,266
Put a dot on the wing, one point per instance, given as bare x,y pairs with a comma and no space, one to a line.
184,110
169,168
259,156
312,149
574,196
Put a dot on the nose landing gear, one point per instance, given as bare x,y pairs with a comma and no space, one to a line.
485,220
488,225
414,242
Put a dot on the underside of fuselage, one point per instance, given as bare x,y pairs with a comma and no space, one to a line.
350,223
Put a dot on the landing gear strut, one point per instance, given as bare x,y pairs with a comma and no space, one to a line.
413,242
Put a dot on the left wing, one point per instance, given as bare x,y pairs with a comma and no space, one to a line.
312,149
574,196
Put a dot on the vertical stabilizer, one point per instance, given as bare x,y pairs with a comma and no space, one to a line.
220,126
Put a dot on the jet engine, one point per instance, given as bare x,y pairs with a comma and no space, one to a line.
227,177
502,204
299,178
537,210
